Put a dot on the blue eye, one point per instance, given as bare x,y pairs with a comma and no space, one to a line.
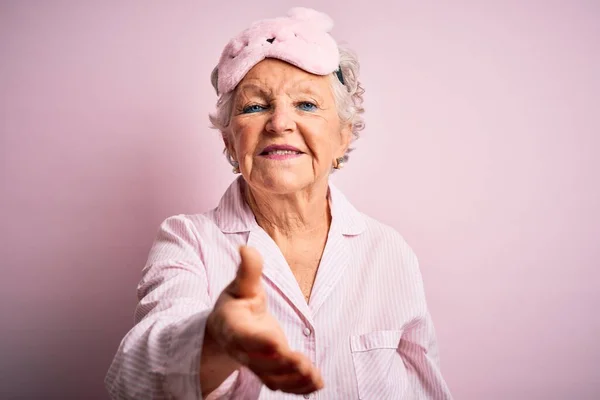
307,106
253,108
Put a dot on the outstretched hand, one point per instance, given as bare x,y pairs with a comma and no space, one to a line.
242,326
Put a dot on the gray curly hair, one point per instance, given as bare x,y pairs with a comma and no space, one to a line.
348,99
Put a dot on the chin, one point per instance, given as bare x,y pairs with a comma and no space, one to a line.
283,182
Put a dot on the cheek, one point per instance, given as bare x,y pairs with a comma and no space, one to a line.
245,138
322,140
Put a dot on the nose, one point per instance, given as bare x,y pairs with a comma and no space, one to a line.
281,120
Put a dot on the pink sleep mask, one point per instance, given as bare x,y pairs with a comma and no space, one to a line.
301,38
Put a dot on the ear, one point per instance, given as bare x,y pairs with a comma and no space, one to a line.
346,138
228,144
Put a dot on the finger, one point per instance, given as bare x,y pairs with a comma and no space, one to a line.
303,364
247,281
309,377
292,383
298,387
276,364
245,346
262,343
305,378
308,389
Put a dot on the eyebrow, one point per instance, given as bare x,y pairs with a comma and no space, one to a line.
253,88
303,86
306,87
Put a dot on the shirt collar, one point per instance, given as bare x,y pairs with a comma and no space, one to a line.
233,215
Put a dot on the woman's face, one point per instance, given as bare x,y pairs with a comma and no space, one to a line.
285,131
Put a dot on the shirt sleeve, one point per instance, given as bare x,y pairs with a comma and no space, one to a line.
159,358
419,350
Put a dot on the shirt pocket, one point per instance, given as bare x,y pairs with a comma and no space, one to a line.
380,371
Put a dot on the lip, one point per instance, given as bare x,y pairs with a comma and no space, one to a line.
281,147
275,147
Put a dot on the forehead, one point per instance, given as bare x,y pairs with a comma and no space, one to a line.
272,75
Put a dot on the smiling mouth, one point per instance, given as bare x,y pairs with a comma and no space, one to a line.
279,153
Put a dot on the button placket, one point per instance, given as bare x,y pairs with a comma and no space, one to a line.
310,343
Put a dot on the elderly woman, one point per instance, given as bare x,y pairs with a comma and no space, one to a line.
284,288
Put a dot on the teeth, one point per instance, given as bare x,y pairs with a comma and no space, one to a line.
282,152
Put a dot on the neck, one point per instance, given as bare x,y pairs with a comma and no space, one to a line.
301,213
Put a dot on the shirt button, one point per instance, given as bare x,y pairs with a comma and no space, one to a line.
306,332
307,396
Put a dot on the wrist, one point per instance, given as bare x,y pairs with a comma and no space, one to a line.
214,346
209,333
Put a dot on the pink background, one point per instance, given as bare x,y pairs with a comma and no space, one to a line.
483,128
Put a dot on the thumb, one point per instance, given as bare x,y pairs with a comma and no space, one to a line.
247,280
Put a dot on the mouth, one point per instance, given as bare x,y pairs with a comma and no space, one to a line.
280,151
